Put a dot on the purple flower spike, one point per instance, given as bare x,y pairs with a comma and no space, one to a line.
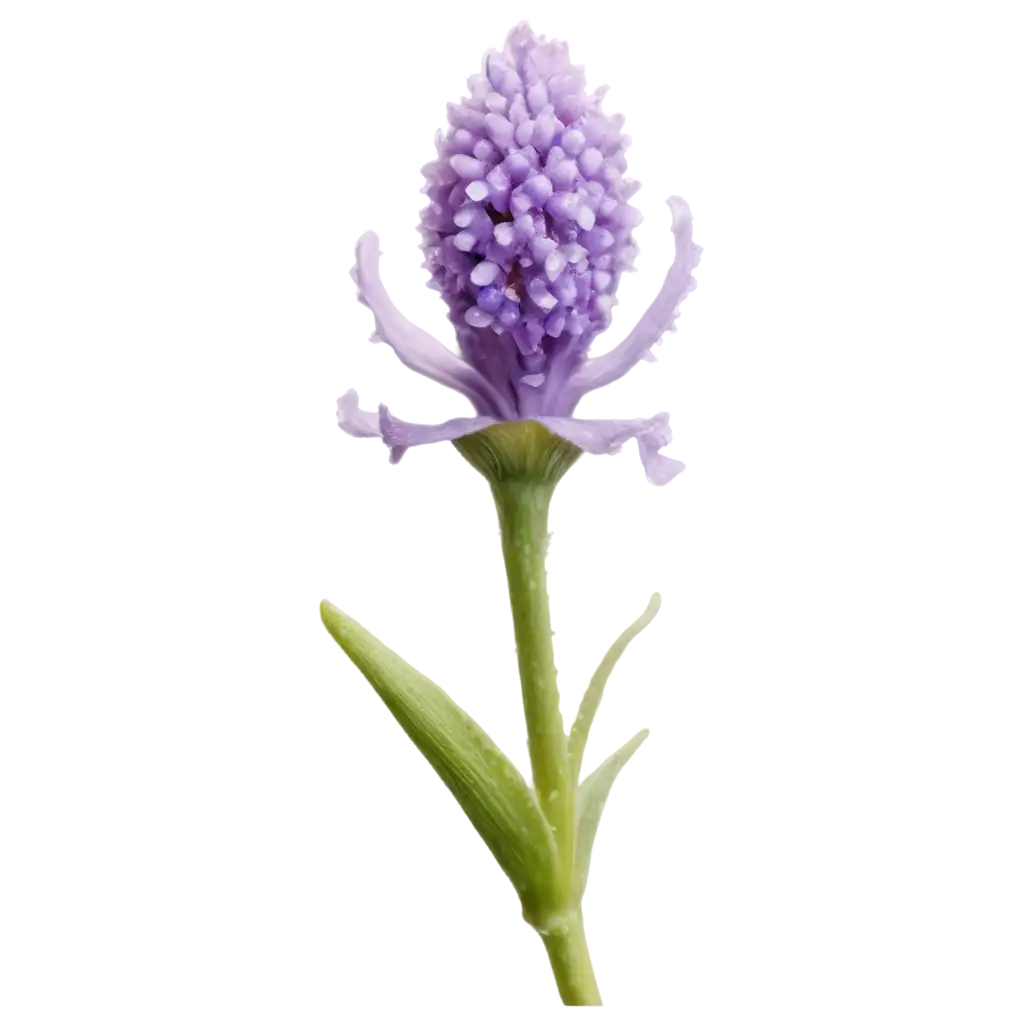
527,233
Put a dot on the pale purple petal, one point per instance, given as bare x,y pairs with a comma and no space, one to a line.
403,417
399,434
606,437
354,421
416,348
660,316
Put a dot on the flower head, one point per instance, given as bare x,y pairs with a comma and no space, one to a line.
527,232
529,224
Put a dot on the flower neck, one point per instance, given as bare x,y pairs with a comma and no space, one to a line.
518,450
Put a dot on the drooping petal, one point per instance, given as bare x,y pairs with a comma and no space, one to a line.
606,437
416,348
660,315
356,415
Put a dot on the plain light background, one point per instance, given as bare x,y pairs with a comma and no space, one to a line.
202,817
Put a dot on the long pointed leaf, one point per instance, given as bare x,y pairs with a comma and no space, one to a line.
590,801
488,787
592,698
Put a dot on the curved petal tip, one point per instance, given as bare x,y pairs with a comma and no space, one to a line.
597,371
418,349
397,434
606,437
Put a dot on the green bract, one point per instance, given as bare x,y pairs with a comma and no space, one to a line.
590,801
488,787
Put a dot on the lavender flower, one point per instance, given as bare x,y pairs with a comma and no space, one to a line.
526,234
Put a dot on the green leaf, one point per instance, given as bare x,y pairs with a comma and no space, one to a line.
592,698
488,787
590,801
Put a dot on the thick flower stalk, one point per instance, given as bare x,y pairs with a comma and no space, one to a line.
526,234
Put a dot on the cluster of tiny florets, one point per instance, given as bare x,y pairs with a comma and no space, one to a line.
529,226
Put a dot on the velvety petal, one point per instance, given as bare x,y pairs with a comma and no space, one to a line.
416,348
606,437
660,315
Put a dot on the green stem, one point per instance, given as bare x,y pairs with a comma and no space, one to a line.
523,514
570,961
523,504
523,461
